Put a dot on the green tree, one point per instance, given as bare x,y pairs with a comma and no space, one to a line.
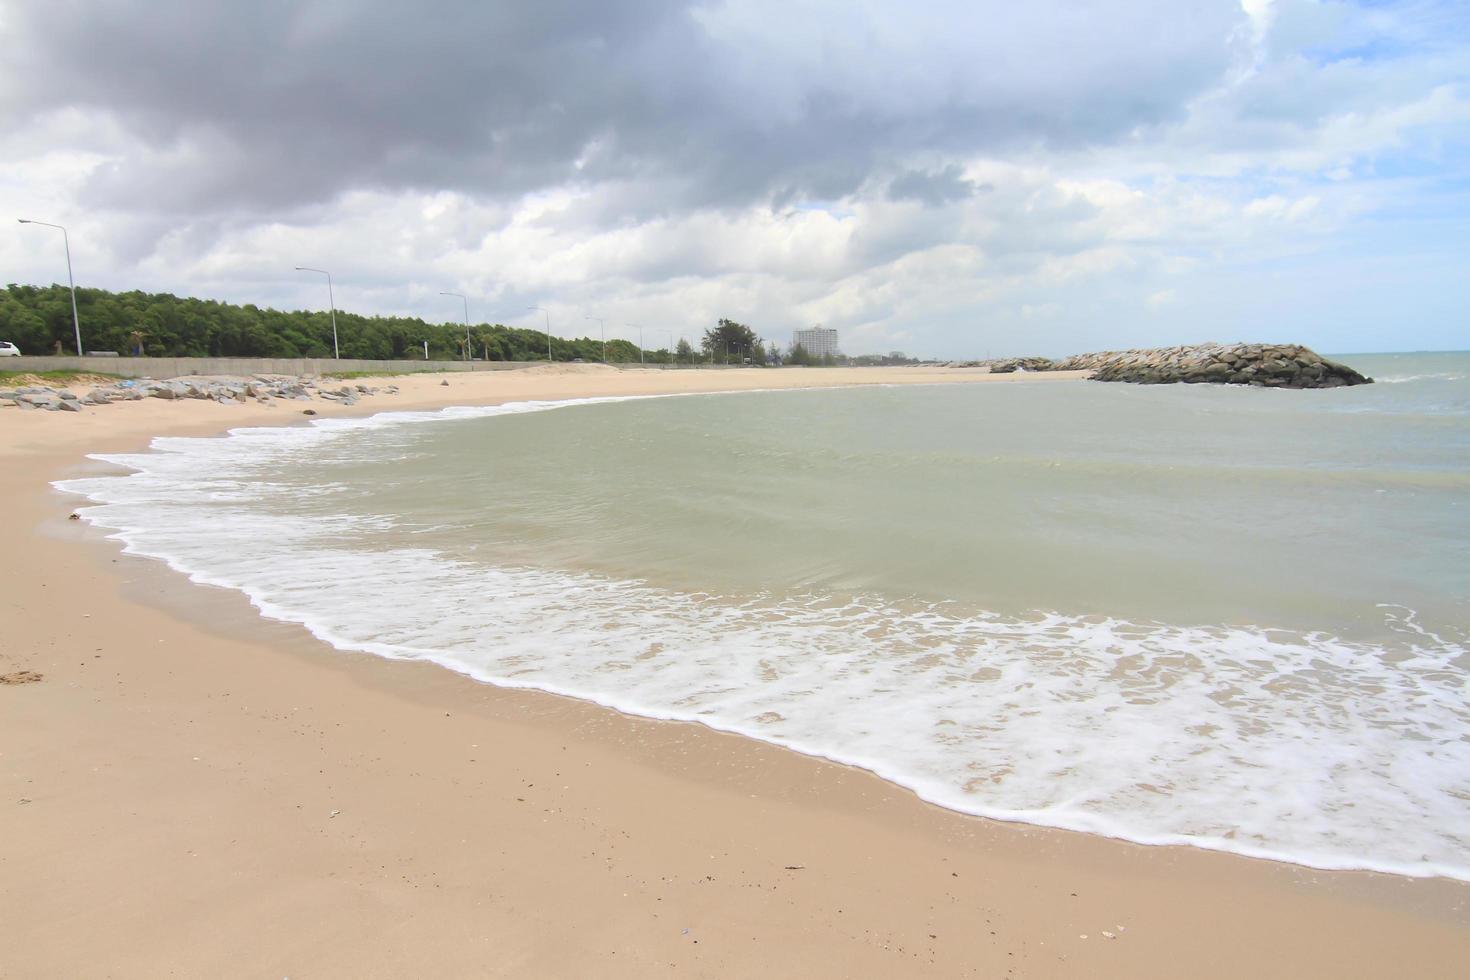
729,341
622,352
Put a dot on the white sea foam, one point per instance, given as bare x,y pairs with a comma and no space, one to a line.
1402,378
1303,748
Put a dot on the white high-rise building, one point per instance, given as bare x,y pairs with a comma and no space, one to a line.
818,341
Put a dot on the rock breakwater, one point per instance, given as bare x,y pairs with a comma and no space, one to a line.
1013,364
1258,365
264,389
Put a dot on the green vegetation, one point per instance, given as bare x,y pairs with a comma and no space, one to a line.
53,379
732,343
38,318
801,356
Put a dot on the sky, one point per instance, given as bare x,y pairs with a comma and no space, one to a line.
949,179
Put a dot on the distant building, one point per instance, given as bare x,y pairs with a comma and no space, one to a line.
818,341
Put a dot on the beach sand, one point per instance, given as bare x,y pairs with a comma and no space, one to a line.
189,790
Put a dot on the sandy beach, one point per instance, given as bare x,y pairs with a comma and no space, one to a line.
187,789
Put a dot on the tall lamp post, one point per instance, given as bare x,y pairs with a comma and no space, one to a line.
660,330
331,302
603,323
468,353
640,341
548,330
76,323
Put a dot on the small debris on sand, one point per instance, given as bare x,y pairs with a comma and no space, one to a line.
20,677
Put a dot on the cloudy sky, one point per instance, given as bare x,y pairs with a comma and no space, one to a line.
945,178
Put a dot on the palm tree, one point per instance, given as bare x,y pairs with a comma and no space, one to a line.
135,339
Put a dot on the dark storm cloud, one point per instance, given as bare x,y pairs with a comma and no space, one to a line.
273,105
931,188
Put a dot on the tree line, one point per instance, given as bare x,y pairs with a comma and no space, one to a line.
38,320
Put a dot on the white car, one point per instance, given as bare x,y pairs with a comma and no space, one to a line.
8,349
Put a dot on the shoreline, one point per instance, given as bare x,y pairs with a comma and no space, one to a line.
1088,823
661,819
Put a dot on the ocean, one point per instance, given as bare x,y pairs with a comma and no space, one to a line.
1226,617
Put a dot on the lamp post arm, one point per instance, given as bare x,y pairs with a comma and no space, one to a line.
468,349
547,314
76,322
331,305
71,282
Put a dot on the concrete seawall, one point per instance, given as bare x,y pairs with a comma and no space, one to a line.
177,367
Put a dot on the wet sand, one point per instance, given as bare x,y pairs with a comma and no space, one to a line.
191,790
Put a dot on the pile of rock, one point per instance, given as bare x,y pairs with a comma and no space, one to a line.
33,398
263,389
1014,364
1259,365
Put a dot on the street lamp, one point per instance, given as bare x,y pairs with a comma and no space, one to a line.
548,330
76,323
640,341
468,352
671,340
331,301
603,324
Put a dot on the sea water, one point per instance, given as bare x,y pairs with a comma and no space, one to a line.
1228,617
